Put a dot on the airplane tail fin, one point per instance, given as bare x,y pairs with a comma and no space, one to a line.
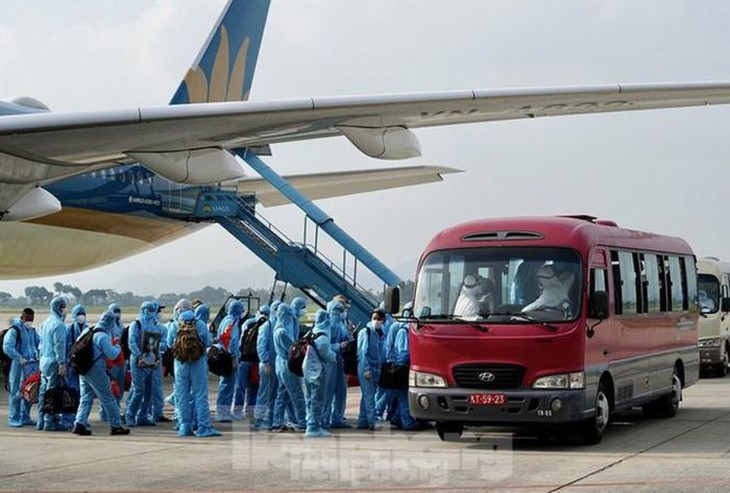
223,71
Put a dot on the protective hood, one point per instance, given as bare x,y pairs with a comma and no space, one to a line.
107,321
285,317
321,322
148,311
56,304
235,309
78,309
265,310
299,307
183,305
202,312
187,316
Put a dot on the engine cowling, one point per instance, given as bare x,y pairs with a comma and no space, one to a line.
21,105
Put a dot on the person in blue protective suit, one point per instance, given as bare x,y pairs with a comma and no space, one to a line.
285,333
73,331
397,352
319,356
191,379
117,372
228,338
21,346
244,399
96,382
336,381
145,342
53,361
202,312
264,410
369,360
382,396
154,402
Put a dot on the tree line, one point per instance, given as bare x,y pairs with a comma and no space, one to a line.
40,296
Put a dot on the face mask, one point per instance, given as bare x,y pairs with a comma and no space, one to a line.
377,324
81,319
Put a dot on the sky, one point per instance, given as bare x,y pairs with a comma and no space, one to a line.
663,171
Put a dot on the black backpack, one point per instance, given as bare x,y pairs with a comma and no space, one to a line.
298,351
349,352
81,357
220,362
249,339
6,360
124,340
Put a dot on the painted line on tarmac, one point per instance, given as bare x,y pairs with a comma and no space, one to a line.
636,454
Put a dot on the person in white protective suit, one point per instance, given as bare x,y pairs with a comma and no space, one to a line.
554,290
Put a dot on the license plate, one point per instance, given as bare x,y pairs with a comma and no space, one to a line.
487,399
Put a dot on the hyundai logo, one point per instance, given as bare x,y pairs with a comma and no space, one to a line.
487,377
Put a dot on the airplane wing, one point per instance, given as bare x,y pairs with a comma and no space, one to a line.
326,185
179,141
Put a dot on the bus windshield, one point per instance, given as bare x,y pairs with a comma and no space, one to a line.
500,285
709,293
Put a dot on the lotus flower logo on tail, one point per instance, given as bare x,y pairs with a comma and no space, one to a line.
226,81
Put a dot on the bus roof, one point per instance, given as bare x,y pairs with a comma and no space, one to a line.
712,265
578,232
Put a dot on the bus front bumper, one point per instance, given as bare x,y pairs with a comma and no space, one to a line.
710,356
521,406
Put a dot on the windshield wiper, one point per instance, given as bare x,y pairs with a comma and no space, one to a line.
473,323
529,318
447,319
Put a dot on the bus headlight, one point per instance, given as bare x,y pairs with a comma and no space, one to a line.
710,342
429,380
574,380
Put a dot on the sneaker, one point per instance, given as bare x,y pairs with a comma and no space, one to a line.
207,432
145,422
29,422
317,433
119,431
278,429
81,430
163,419
341,426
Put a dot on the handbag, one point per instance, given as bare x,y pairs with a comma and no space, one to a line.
393,376
220,362
30,387
60,400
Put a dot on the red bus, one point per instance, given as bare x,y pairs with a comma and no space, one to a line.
550,321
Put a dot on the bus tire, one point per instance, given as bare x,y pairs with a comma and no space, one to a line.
592,429
450,431
668,405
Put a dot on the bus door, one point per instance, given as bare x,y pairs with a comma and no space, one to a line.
630,330
598,332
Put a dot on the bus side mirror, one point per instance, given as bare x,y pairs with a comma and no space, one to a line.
392,300
598,305
725,305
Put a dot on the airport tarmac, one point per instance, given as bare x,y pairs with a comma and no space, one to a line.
688,453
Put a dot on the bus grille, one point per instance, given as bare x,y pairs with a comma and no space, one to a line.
477,376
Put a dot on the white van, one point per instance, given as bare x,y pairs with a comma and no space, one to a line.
714,299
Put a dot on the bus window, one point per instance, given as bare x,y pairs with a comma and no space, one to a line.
486,282
675,283
625,281
690,270
663,265
652,284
